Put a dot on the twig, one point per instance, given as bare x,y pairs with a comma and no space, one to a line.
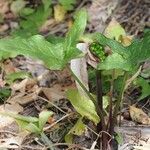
52,104
50,126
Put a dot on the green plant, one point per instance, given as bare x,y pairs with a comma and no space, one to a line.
32,124
55,56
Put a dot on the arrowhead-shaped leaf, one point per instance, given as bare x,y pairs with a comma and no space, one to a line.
54,56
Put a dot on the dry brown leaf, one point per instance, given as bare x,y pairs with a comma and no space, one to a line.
5,121
126,40
4,6
9,67
13,142
59,13
139,116
79,68
54,93
46,26
25,85
3,28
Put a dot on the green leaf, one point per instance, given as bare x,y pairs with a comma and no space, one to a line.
83,105
114,30
114,61
126,58
17,6
26,11
76,31
67,4
10,78
33,128
46,4
20,117
4,93
43,117
30,24
78,129
119,138
54,56
22,124
145,87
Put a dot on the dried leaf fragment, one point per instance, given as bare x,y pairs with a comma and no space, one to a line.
139,116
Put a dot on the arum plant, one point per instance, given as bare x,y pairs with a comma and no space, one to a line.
56,57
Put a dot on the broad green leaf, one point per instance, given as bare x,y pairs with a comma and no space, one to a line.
22,124
76,31
31,127
4,93
145,87
20,117
46,4
114,61
26,11
53,55
10,78
126,58
83,105
78,129
115,46
6,54
67,4
114,30
43,117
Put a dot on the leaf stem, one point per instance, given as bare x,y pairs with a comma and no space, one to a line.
120,98
101,125
109,125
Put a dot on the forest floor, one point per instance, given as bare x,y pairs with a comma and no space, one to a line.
43,89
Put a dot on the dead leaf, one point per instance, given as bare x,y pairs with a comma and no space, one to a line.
54,93
4,6
46,26
5,121
79,68
3,28
126,40
59,13
14,141
25,85
9,67
139,116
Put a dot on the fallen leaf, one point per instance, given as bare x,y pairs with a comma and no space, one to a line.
139,116
59,13
14,141
79,68
126,40
54,93
4,6
5,121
